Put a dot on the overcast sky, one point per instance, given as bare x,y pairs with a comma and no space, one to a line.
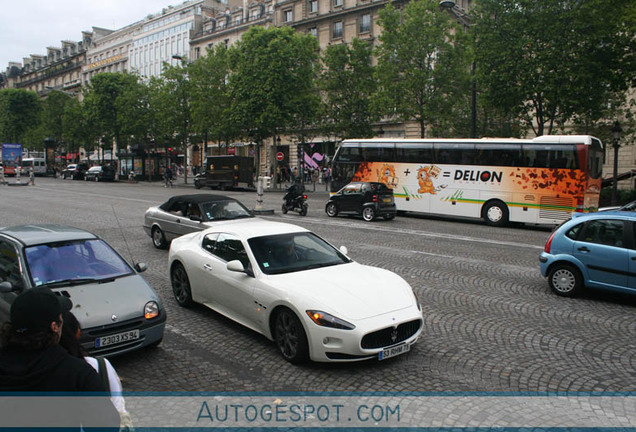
30,26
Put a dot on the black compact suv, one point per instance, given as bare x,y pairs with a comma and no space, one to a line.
74,171
368,199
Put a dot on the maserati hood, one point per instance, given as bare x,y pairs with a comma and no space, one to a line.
350,291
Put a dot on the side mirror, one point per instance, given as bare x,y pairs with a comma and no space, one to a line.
237,266
6,287
141,267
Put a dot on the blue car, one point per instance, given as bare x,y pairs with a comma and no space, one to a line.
594,250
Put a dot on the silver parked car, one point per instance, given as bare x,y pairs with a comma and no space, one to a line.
183,214
118,311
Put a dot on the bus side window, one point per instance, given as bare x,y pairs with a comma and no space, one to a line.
564,158
351,154
379,153
414,153
498,154
457,154
536,156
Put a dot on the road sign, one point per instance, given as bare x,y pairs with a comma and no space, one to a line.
280,156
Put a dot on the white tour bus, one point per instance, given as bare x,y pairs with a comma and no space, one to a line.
541,180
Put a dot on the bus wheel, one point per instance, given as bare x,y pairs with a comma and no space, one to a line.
495,213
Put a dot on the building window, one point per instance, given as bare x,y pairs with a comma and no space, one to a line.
337,3
365,23
337,30
314,32
287,16
313,6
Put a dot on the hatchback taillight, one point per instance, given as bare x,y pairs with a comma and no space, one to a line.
548,244
304,196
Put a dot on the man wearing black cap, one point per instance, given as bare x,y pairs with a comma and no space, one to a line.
32,360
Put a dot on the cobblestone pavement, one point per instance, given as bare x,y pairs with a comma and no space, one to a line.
491,323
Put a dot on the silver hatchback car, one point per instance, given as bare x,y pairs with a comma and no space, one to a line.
118,311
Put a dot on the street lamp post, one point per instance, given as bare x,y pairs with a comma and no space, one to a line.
186,138
616,132
464,19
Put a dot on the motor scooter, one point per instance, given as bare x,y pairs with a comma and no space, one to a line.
298,203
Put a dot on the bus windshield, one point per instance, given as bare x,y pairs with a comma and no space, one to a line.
541,180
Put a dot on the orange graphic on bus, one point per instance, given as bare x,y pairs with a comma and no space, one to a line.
424,180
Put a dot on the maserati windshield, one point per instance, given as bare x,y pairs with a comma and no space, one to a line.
292,252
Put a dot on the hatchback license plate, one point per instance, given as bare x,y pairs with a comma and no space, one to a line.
117,338
394,351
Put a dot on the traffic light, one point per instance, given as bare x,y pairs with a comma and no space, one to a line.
300,152
268,182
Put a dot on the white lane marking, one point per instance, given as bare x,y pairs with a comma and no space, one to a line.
452,237
91,194
356,226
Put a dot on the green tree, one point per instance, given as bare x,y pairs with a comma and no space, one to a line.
53,109
554,61
423,71
105,105
174,91
75,126
273,72
133,104
19,112
210,95
348,83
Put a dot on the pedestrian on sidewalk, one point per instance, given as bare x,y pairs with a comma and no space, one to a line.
31,176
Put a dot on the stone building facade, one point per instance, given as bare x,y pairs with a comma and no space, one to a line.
186,31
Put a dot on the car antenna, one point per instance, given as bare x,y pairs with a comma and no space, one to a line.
132,259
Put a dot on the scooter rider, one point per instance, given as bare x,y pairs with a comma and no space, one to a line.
296,188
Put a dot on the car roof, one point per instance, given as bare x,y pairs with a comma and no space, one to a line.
45,233
616,214
365,182
197,198
249,228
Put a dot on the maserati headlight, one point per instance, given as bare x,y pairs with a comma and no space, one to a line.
324,319
151,310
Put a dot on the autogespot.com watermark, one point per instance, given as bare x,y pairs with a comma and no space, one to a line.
281,413
342,411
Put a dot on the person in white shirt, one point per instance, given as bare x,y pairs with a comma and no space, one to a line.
69,340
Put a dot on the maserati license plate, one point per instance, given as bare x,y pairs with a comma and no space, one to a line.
394,351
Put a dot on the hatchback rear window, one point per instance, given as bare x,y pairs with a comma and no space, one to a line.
380,187
573,232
